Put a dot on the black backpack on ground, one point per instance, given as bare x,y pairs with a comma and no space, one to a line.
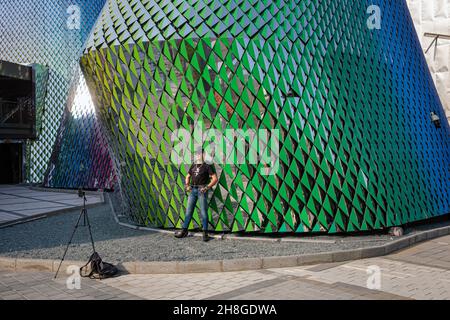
98,268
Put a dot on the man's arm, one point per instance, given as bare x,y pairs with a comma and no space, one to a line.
214,181
187,181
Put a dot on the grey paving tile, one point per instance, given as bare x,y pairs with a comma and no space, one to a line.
21,202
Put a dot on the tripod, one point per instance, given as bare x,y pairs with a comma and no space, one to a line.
83,217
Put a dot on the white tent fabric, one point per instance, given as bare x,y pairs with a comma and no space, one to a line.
433,16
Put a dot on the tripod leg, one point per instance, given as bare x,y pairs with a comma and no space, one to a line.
68,245
89,227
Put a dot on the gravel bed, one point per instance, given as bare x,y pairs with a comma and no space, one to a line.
47,238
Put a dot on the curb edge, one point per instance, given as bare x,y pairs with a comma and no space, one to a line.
247,264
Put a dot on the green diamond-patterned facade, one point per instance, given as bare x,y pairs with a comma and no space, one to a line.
352,104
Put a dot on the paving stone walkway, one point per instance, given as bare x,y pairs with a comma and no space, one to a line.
18,203
421,272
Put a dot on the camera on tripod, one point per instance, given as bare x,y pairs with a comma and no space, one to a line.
98,267
81,193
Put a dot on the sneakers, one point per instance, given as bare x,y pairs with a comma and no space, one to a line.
206,237
181,234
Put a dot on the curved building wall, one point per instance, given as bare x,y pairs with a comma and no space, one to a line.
346,108
352,105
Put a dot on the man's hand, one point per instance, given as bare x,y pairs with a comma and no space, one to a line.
205,190
187,188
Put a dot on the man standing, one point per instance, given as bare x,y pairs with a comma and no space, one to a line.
201,178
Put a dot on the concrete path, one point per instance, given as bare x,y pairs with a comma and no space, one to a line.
421,272
18,203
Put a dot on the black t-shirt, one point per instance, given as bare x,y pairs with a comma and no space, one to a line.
201,174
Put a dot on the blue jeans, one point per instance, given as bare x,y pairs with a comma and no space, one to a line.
195,195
